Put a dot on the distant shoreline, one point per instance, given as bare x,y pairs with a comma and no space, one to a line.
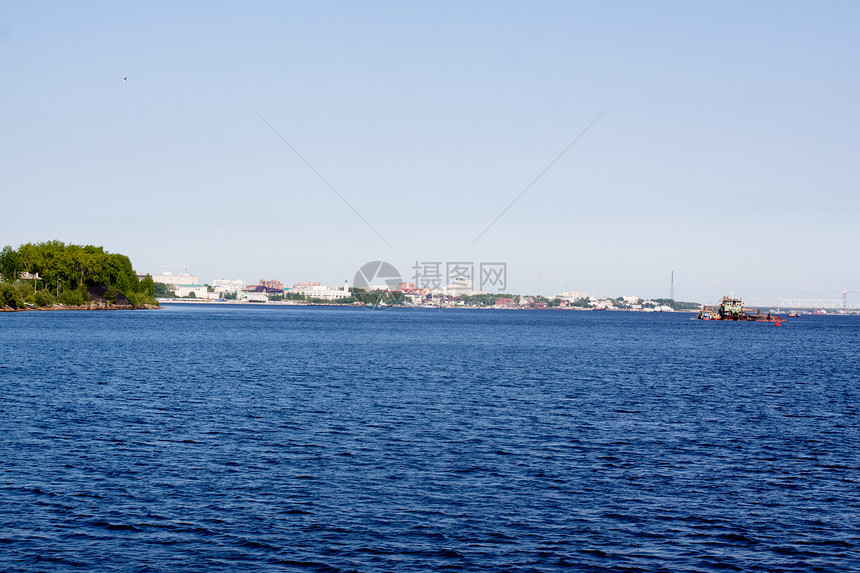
191,301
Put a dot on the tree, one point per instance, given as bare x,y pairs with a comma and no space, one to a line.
111,294
147,286
62,268
10,263
44,298
73,297
164,290
10,297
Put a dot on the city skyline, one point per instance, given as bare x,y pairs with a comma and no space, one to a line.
602,147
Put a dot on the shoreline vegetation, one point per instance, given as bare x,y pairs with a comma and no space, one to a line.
56,276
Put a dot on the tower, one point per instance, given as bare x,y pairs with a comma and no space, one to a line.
672,287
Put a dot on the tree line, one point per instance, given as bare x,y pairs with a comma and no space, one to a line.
60,273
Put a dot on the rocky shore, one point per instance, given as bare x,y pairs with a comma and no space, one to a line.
91,306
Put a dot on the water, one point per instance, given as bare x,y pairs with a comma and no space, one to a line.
322,439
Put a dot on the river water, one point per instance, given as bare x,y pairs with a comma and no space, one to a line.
332,439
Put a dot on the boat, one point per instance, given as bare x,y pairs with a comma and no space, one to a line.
734,309
793,314
820,311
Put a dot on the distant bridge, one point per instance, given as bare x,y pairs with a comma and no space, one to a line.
803,303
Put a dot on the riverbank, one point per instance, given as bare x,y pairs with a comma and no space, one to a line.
93,306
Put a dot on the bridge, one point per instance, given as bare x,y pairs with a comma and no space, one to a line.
833,304
807,303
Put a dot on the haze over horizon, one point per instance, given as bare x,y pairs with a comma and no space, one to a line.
727,152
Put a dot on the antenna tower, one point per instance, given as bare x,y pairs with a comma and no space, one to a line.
672,287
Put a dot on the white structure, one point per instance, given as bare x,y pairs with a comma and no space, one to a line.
572,295
311,290
175,279
604,303
200,291
224,285
656,306
254,297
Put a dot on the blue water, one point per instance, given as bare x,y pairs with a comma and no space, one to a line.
320,439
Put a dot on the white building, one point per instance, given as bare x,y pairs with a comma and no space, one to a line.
175,279
254,297
224,285
200,291
572,295
313,290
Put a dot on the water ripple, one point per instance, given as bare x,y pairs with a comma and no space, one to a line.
341,440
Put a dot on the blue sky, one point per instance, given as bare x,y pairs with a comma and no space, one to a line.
728,151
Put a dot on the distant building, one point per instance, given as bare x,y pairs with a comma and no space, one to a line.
175,279
572,295
271,285
223,285
316,290
200,291
268,287
254,297
184,284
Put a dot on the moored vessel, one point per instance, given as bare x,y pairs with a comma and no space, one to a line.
734,309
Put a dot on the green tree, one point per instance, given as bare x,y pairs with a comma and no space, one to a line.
147,286
72,297
63,268
44,298
111,294
10,263
27,291
9,296
164,290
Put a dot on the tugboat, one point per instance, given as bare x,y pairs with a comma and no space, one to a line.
733,309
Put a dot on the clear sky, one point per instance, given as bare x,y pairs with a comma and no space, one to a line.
729,151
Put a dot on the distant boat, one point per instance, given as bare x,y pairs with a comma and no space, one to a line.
819,311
